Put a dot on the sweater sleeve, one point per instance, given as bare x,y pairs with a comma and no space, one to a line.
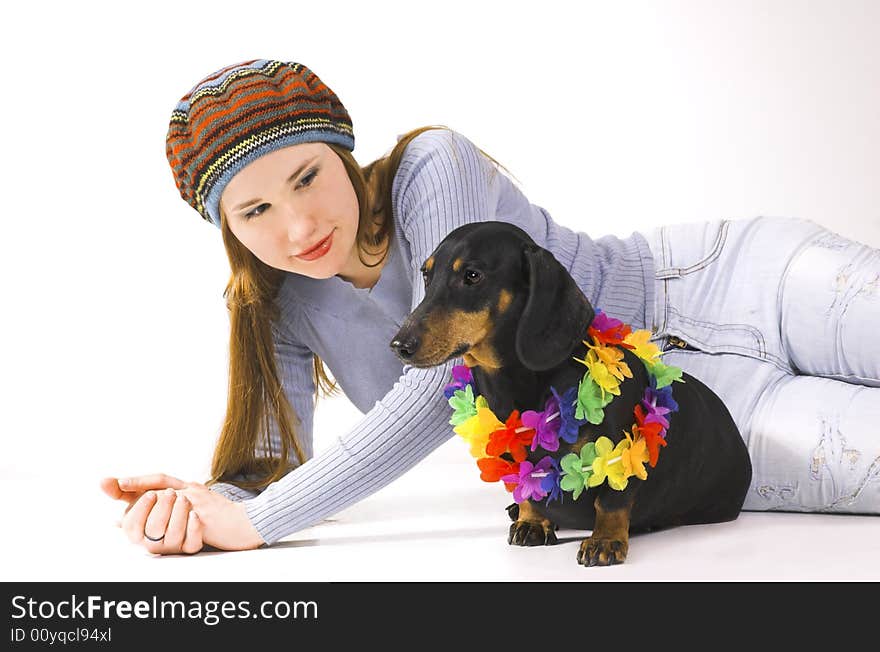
442,183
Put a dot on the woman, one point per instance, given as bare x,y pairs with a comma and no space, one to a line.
773,314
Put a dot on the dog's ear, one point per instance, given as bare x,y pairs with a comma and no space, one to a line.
556,315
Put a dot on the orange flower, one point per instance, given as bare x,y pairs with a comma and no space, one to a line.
492,469
634,457
641,345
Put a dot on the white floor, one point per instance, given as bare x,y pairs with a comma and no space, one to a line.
409,532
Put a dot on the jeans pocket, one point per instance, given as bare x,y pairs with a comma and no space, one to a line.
717,282
688,333
682,266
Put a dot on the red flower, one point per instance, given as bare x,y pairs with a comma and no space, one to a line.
614,335
651,433
508,440
640,414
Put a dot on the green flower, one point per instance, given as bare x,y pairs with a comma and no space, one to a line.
665,374
463,405
591,400
577,469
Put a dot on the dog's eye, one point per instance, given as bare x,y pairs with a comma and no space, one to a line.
472,277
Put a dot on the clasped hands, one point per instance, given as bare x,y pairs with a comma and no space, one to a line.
169,516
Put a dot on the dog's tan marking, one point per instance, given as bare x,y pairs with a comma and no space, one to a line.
484,356
474,327
456,265
530,514
586,436
445,330
504,300
609,543
429,264
612,524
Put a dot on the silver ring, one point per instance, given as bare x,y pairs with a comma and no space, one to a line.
152,539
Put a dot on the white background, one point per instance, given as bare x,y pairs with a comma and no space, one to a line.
613,116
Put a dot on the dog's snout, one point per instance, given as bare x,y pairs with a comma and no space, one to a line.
405,346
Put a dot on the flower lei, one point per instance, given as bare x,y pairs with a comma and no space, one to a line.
563,414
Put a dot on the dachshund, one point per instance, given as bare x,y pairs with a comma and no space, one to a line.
516,317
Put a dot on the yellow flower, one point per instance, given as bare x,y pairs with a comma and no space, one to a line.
612,358
606,367
646,350
476,429
609,464
601,375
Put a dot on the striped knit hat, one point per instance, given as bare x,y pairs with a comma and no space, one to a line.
240,112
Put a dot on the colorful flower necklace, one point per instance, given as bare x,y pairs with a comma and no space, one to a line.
563,414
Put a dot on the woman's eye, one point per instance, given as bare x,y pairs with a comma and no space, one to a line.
307,180
255,212
472,276
303,183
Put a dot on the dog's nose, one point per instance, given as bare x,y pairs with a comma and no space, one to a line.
405,347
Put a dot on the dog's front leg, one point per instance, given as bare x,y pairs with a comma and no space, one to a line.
609,543
530,528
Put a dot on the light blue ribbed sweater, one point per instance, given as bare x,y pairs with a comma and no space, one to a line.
443,182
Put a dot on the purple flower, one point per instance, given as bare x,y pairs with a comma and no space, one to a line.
529,479
569,425
461,376
550,484
657,404
545,424
602,322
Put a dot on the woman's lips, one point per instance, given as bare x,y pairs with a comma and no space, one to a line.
318,250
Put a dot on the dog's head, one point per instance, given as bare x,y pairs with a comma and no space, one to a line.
497,299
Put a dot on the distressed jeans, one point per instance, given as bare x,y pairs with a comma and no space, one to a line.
781,318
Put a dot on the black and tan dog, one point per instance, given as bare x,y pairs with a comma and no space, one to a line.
516,316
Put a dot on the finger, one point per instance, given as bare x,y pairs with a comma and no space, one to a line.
147,482
157,521
132,499
176,531
193,542
113,488
134,519
110,486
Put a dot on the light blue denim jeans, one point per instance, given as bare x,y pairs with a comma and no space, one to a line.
781,318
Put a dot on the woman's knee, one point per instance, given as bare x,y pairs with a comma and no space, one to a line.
829,304
814,447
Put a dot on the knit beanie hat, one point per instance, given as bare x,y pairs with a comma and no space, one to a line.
240,112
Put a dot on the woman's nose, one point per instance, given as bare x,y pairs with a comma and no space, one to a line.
301,226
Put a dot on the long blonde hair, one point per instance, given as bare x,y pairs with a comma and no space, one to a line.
255,393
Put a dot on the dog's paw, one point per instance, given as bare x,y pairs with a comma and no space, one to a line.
602,552
529,533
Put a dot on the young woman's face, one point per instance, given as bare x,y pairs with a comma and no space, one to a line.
296,209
